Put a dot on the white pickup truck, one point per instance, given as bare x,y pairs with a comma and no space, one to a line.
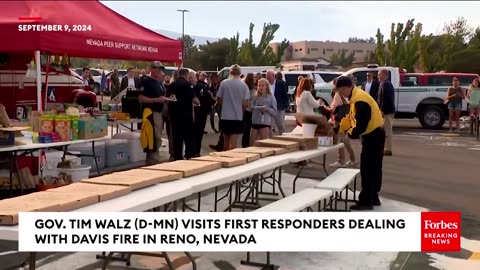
424,102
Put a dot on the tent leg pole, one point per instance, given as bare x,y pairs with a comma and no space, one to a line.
38,69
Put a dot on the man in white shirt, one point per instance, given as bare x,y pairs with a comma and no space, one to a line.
371,85
279,90
130,81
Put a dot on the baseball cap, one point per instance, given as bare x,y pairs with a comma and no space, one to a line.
157,64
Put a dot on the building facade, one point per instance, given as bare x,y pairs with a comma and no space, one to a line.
303,50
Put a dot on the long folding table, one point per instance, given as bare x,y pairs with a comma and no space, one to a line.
153,197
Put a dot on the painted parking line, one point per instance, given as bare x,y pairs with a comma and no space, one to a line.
8,252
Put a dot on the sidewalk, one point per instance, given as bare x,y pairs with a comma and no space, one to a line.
231,261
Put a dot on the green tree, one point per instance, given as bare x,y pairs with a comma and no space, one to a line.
342,59
262,54
474,42
78,62
465,61
232,56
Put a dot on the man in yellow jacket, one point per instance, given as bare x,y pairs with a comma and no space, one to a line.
364,121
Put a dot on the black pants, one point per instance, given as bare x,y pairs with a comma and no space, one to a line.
182,133
212,118
371,162
247,117
198,128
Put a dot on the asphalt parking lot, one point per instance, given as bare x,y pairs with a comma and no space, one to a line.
437,170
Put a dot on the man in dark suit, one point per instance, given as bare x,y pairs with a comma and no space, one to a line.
279,89
130,81
371,85
386,102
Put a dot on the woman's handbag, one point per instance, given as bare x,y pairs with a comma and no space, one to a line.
342,110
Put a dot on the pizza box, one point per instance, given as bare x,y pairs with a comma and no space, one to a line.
134,179
297,138
103,192
42,202
248,156
227,162
187,167
159,176
280,151
278,143
263,151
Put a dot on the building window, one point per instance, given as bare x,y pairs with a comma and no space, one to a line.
308,50
329,50
359,51
314,49
300,49
323,51
296,50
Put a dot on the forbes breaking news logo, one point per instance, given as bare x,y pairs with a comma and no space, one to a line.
441,231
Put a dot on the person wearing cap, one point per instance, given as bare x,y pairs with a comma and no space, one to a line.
181,115
233,95
364,121
386,102
152,97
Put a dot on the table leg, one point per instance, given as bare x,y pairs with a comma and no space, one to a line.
297,176
324,161
11,173
32,261
95,158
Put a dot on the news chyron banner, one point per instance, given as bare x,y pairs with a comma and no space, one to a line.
239,232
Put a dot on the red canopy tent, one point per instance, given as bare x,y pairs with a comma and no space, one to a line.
95,32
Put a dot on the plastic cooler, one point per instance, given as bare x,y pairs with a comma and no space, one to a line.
116,153
54,157
86,149
135,148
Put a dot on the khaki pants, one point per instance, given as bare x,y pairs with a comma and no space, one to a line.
158,127
342,137
388,126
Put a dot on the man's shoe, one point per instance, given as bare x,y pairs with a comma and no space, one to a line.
361,207
205,132
387,153
215,148
377,202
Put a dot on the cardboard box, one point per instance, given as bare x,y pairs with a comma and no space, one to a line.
248,156
280,151
263,151
296,138
134,179
187,167
278,144
102,192
227,162
305,143
43,202
92,128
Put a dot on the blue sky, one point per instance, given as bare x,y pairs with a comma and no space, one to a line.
298,20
